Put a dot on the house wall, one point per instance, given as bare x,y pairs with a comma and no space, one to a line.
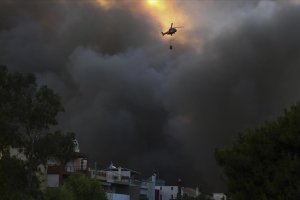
147,188
134,192
79,164
113,196
219,196
167,192
53,180
118,189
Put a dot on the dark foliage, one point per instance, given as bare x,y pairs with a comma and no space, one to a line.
27,111
264,163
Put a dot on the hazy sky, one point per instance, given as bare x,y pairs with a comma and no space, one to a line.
132,100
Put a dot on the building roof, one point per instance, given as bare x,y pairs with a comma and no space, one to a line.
112,167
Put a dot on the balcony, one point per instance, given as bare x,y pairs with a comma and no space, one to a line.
100,175
67,170
114,177
76,168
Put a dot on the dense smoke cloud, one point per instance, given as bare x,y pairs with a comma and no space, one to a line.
131,100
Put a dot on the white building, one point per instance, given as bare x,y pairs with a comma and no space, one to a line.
114,196
147,188
56,173
119,183
219,196
167,192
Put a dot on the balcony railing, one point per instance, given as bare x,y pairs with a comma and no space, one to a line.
112,177
57,169
76,168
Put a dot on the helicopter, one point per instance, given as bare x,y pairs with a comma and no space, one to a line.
172,30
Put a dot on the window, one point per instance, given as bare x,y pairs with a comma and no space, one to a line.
160,197
172,196
160,188
171,188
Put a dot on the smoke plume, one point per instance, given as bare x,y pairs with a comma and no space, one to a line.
131,100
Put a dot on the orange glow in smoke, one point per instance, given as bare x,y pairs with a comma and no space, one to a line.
162,13
106,4
152,2
165,12
157,4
